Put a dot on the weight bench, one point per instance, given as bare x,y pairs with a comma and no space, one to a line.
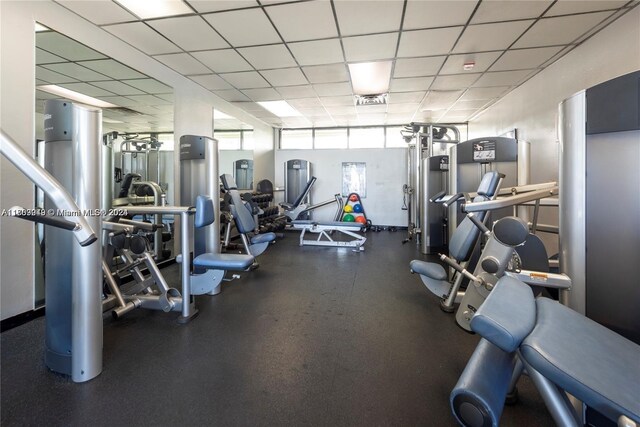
563,353
463,241
323,229
254,244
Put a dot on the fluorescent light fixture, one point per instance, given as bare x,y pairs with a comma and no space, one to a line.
40,28
219,115
370,78
75,96
372,99
280,108
147,9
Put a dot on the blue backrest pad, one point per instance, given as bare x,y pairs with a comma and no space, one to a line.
205,213
304,193
489,184
228,182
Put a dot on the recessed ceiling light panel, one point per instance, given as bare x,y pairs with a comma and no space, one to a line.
147,9
370,78
75,96
280,108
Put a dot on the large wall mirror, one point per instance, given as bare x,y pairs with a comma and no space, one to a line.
137,114
235,143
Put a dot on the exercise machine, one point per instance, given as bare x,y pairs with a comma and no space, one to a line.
299,208
325,231
297,173
243,216
73,331
243,173
566,355
427,169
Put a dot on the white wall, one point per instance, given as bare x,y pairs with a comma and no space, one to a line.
193,114
386,172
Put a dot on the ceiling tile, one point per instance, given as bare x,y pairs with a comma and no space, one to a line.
411,84
284,77
183,63
140,36
366,16
203,6
265,57
303,21
292,92
563,7
414,67
113,69
87,89
248,106
403,108
405,97
317,52
326,73
467,105
147,99
502,78
428,14
44,57
150,86
65,47
370,109
483,93
231,95
506,10
523,59
189,32
428,42
453,82
211,81
454,63
77,71
332,89
317,111
222,61
331,101
118,88
41,95
170,97
99,12
399,118
359,48
233,26
266,94
343,111
440,99
484,37
310,102
117,100
245,80
560,30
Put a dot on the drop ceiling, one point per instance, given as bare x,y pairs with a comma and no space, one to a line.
246,51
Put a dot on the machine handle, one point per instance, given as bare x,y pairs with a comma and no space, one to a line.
19,212
454,198
436,197
451,262
476,221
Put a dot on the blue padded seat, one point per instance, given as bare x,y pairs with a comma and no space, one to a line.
223,261
586,359
263,238
508,315
431,269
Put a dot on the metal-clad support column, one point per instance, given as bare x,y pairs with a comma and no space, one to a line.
453,189
572,199
425,240
106,156
86,318
417,161
524,173
212,232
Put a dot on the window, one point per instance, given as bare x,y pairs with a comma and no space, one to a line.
228,140
296,139
330,138
394,138
167,141
247,140
366,138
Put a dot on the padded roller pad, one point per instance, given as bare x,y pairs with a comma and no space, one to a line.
591,362
431,269
263,238
508,315
223,261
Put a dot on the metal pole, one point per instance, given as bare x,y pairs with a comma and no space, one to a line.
212,238
417,156
86,318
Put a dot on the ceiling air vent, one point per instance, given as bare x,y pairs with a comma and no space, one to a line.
371,99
